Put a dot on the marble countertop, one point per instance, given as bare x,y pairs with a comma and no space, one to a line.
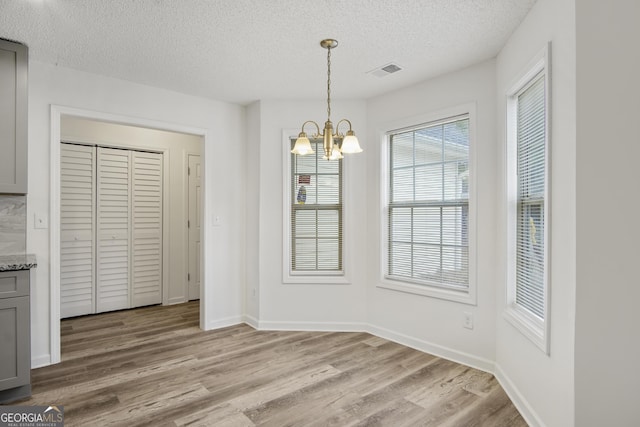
17,262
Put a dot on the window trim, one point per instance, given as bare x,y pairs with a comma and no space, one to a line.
469,295
307,277
535,329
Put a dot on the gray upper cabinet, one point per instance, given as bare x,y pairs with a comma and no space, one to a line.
13,117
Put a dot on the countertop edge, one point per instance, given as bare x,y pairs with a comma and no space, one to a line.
17,262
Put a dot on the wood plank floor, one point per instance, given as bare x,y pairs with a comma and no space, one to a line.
153,366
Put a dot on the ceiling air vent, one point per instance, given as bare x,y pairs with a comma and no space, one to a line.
385,70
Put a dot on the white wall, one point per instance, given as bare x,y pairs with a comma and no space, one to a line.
607,341
178,146
542,385
252,291
224,180
431,324
309,306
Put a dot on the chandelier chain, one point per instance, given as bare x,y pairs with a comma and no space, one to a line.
329,84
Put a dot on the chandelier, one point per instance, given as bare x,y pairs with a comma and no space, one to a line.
332,151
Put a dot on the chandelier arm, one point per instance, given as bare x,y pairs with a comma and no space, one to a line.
338,134
317,134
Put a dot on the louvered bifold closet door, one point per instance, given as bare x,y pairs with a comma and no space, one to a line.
77,230
113,234
146,277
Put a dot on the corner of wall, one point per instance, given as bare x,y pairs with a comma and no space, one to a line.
518,399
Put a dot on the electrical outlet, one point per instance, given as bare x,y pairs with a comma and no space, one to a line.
468,320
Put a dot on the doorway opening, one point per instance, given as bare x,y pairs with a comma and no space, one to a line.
177,145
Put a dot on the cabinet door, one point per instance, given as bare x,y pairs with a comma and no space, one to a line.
77,230
113,234
14,283
15,355
13,117
146,215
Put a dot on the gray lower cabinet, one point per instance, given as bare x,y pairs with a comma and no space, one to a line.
15,340
13,117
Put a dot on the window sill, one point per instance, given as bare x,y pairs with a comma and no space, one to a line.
528,325
463,297
316,279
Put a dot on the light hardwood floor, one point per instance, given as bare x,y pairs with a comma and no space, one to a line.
153,366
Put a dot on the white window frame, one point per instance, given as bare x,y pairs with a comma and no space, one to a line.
468,295
530,325
306,277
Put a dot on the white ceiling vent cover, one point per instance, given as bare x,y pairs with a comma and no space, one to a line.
385,70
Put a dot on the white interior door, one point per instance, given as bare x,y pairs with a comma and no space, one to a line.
113,229
195,220
77,230
146,274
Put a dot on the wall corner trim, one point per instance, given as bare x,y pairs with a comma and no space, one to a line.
251,321
223,323
519,401
40,361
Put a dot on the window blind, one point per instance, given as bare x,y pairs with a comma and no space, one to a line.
530,220
428,210
316,212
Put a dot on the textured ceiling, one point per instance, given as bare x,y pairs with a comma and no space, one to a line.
243,50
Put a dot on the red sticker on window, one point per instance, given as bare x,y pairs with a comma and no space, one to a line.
304,179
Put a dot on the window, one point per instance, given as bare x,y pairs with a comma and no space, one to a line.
428,205
315,203
527,184
530,265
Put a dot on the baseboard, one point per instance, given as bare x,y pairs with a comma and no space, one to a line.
519,401
424,346
435,349
223,323
176,300
13,395
40,361
311,326
251,321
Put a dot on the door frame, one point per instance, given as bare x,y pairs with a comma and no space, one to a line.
187,230
57,112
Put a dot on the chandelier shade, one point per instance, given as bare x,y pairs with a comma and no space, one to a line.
303,146
332,151
350,143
